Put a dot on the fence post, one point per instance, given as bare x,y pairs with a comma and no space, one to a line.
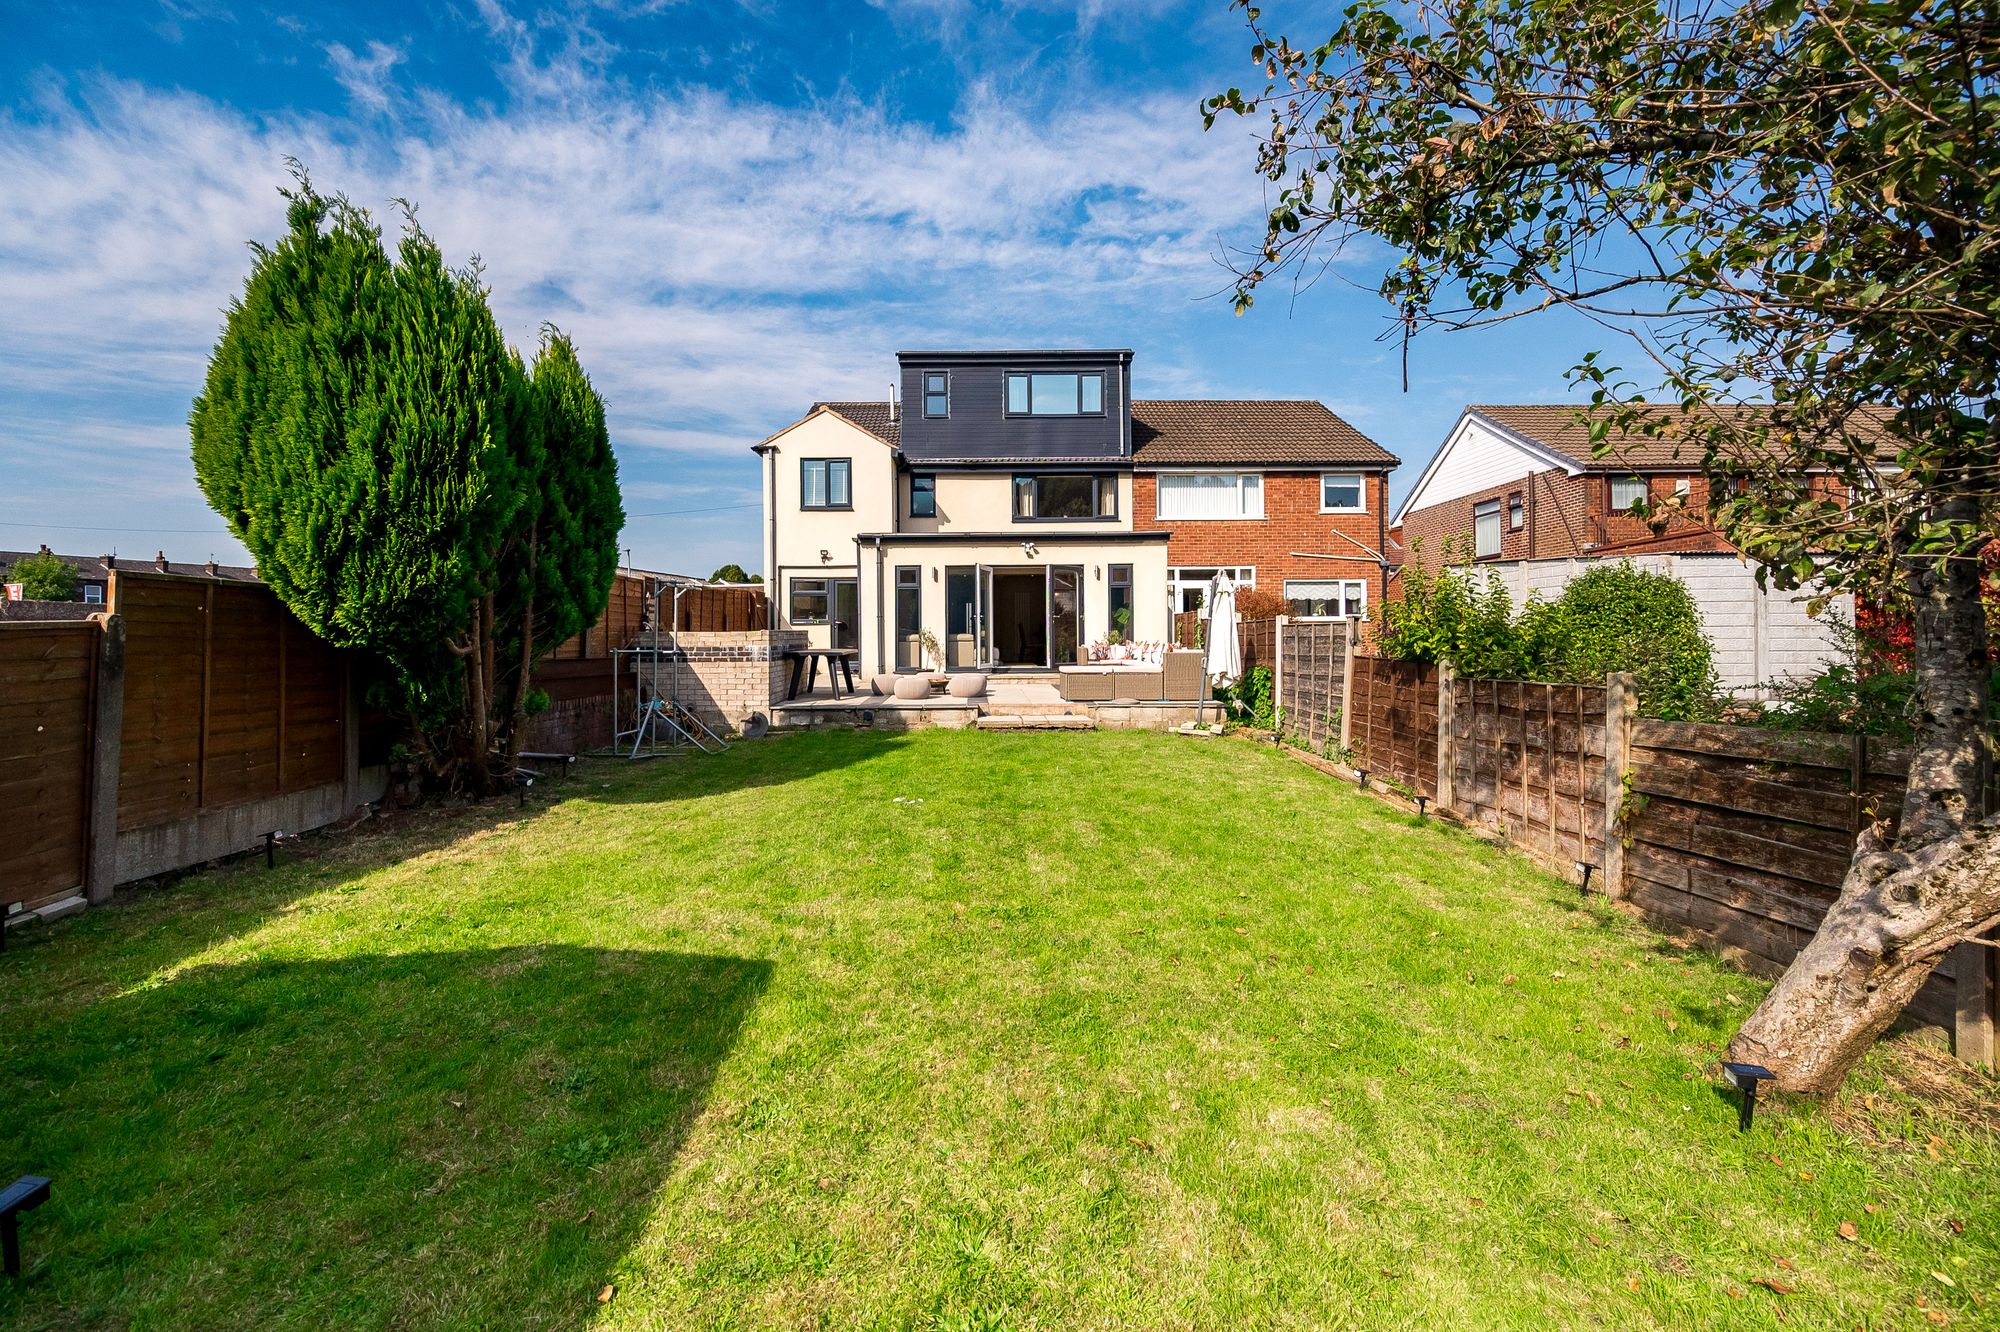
1346,686
107,725
1447,737
1620,703
1278,673
1972,1034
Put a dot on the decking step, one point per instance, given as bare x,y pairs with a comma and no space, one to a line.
1016,722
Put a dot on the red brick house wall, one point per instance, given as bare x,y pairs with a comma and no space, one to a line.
1563,515
1291,522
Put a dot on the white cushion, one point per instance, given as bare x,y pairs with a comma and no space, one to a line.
913,686
966,685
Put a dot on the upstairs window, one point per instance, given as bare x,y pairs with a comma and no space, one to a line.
1195,495
1342,492
1064,495
1486,529
1627,491
923,495
1514,516
823,483
937,393
1055,395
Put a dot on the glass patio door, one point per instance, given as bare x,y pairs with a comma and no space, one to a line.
982,617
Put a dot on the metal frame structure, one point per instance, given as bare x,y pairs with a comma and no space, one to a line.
659,722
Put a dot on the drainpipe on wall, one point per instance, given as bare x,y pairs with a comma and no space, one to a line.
881,640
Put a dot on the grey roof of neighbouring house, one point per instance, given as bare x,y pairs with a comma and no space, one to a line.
97,568
1205,431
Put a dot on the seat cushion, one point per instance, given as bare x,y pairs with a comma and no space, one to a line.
969,684
913,686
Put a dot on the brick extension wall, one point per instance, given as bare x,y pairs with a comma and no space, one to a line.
1291,522
726,676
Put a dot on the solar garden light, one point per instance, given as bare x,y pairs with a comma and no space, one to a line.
1583,869
23,1195
13,910
271,840
522,782
1746,1077
1364,779
1422,800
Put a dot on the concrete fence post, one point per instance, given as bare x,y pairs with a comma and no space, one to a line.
1620,706
107,727
1447,735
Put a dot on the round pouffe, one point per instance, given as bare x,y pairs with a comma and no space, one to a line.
912,686
971,685
884,685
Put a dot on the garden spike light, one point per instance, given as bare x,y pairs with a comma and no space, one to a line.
1746,1077
23,1195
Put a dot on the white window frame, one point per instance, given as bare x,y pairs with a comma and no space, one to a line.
93,594
1244,485
1345,586
1628,482
1516,513
1197,578
1360,480
1483,510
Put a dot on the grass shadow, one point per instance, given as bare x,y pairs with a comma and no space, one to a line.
407,1140
774,760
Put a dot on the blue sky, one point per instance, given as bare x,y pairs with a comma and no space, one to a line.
734,209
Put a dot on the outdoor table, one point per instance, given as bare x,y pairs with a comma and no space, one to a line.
805,668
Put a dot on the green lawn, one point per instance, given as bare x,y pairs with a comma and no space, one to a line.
1110,1030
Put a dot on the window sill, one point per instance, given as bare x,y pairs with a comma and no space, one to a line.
1233,518
826,508
1034,522
1349,513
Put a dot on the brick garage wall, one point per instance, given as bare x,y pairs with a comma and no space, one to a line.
726,676
1291,522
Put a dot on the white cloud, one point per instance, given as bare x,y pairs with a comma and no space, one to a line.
366,78
721,262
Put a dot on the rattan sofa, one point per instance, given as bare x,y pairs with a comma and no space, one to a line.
1176,679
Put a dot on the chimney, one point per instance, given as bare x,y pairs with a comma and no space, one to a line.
110,561
160,560
210,566
45,548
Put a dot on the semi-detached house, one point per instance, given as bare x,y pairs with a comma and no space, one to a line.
1012,505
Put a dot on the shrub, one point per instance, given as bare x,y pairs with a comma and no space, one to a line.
1252,697
1454,616
1618,618
1261,603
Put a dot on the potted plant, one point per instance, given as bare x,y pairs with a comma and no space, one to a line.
933,654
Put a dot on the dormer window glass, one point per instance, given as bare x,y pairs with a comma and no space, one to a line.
1055,395
1064,496
937,394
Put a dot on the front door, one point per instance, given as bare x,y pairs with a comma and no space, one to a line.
846,611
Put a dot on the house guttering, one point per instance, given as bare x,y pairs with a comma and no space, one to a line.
1026,532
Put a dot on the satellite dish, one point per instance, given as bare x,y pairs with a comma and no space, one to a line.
754,727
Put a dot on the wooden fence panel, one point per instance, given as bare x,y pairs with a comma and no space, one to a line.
630,605
1741,837
1315,661
1257,643
1529,758
50,671
1394,730
159,757
228,699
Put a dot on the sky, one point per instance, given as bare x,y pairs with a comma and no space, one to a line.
734,209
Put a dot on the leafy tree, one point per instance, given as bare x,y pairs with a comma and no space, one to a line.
1458,617
730,573
44,577
1789,206
398,474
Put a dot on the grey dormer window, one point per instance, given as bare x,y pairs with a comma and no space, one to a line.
1064,497
824,483
1055,395
923,495
937,393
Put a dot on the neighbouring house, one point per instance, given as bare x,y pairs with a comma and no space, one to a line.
1519,489
1282,495
93,572
1011,505
1524,483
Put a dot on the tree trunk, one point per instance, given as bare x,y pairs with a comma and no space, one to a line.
1905,904
517,712
480,772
